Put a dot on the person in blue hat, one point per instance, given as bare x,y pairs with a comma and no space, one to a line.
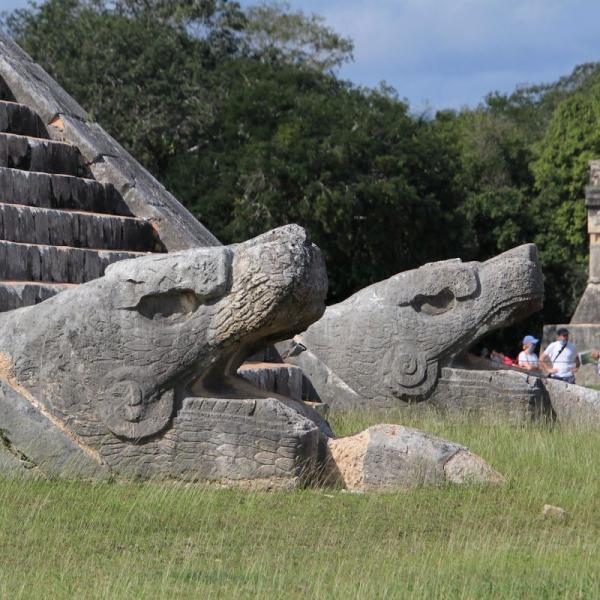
527,358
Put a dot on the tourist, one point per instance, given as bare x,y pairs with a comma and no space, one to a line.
590,357
527,358
503,359
560,359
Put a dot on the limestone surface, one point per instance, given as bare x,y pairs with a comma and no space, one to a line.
391,457
573,404
279,378
386,345
514,396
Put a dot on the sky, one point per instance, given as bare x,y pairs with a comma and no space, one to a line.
451,53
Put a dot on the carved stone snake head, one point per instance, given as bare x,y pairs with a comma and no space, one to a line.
389,340
120,353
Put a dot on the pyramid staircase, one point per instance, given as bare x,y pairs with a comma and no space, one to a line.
59,227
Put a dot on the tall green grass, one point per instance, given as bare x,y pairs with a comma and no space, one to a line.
82,540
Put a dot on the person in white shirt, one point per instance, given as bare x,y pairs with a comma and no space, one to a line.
560,359
527,358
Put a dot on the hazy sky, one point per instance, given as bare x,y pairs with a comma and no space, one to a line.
449,53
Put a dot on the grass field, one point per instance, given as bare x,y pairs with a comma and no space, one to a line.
81,540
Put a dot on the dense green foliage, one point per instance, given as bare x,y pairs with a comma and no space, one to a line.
291,145
124,540
240,114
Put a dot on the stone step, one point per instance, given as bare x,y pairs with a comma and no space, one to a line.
280,378
56,264
17,294
20,119
59,191
77,229
37,154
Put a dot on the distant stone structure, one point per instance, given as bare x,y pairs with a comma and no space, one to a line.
584,327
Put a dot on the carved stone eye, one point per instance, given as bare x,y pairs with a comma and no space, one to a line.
170,305
408,364
434,305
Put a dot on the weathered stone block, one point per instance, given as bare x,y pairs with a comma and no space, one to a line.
279,378
594,265
33,154
511,395
77,229
17,294
574,405
29,262
20,119
388,457
44,190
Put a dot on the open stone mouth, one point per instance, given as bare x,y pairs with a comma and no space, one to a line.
222,379
517,308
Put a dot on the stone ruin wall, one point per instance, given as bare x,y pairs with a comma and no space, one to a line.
584,327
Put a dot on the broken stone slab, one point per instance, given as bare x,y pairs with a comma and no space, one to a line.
385,346
280,378
574,405
511,395
388,457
